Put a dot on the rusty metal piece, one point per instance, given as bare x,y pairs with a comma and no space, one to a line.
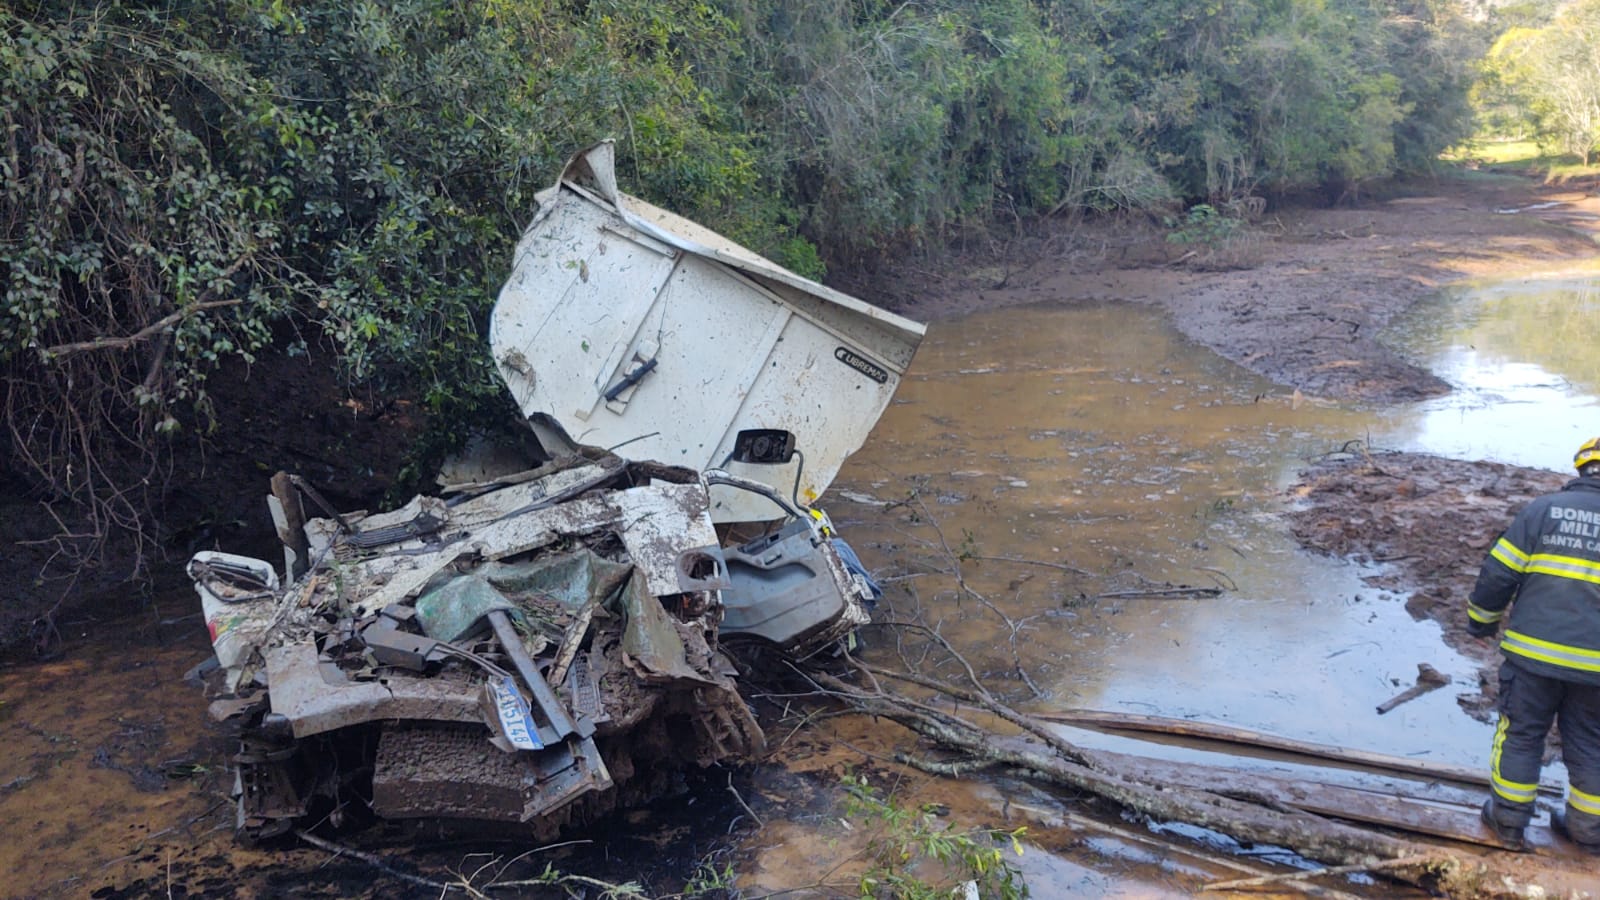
564,777
570,641
393,647
583,686
554,713
271,787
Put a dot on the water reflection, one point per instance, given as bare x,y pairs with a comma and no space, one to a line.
1521,356
1097,438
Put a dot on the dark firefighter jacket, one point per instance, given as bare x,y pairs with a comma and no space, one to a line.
1549,561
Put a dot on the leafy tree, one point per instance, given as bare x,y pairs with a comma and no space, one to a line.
190,186
1553,72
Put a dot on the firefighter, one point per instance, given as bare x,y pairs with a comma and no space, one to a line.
1546,567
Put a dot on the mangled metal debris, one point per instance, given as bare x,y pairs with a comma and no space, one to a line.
513,657
541,646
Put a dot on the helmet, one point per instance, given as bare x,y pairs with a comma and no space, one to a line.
1588,453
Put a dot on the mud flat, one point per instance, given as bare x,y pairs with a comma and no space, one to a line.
1427,523
1302,297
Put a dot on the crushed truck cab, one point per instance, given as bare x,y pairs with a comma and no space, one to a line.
541,645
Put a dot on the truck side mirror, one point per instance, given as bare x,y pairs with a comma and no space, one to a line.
763,446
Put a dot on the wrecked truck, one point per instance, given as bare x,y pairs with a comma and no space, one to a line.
541,643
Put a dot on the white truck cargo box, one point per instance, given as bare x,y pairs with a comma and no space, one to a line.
628,327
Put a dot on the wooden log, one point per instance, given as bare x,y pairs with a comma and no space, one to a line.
1406,863
292,528
1453,815
1456,872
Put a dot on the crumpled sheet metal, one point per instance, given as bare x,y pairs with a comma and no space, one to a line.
656,523
314,704
651,640
574,579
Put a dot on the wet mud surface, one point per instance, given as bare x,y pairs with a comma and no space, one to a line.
1428,523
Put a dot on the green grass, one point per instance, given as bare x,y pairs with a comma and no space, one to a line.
1525,157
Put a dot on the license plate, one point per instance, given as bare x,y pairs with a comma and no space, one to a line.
516,719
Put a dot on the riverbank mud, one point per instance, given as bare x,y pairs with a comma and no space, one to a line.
1426,523
1300,298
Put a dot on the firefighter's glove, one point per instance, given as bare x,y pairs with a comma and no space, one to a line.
1482,629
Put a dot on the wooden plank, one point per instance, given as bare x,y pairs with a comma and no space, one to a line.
292,530
1113,721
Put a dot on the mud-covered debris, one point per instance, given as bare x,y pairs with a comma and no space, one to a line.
1428,679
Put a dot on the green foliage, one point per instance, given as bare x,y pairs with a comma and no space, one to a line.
186,186
1204,225
189,185
1521,158
708,880
1544,80
913,857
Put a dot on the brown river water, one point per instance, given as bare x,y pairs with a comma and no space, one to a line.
1092,446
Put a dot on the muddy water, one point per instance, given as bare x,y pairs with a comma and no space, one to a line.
1103,454
108,776
1097,439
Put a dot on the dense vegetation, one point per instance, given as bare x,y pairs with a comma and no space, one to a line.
1542,77
190,185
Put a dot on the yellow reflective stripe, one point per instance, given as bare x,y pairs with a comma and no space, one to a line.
1564,567
1550,652
1510,791
1510,556
1582,802
1515,793
1478,614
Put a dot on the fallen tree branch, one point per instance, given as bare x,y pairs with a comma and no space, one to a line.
377,862
760,823
1462,873
1428,679
1308,835
1164,592
1032,562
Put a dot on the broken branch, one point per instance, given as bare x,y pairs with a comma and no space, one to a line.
145,333
1165,592
1089,718
1428,679
377,862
